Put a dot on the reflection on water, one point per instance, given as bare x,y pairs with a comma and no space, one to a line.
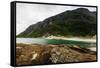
31,40
52,41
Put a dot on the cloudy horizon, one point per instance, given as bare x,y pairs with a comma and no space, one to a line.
28,14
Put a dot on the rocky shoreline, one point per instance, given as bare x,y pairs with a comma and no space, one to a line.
35,54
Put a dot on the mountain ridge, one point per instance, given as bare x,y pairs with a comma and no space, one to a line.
70,22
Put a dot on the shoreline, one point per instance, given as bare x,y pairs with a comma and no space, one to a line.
92,48
73,38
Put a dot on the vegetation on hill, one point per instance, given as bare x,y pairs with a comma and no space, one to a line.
78,22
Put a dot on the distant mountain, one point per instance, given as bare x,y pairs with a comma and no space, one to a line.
78,22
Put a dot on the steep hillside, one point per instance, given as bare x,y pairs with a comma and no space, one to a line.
78,22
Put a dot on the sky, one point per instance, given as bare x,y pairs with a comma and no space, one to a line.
28,14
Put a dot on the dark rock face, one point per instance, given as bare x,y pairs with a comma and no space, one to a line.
78,22
51,54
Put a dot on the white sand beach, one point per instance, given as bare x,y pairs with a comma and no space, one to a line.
92,40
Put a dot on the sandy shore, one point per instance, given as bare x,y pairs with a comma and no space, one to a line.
92,40
92,48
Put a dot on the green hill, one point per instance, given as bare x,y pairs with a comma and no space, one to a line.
78,22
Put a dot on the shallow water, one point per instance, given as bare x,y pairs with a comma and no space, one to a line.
53,41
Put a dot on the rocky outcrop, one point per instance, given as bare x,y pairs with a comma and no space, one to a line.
51,54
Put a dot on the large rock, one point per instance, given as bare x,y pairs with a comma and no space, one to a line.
63,55
50,54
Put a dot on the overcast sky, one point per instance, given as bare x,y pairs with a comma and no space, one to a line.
28,14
